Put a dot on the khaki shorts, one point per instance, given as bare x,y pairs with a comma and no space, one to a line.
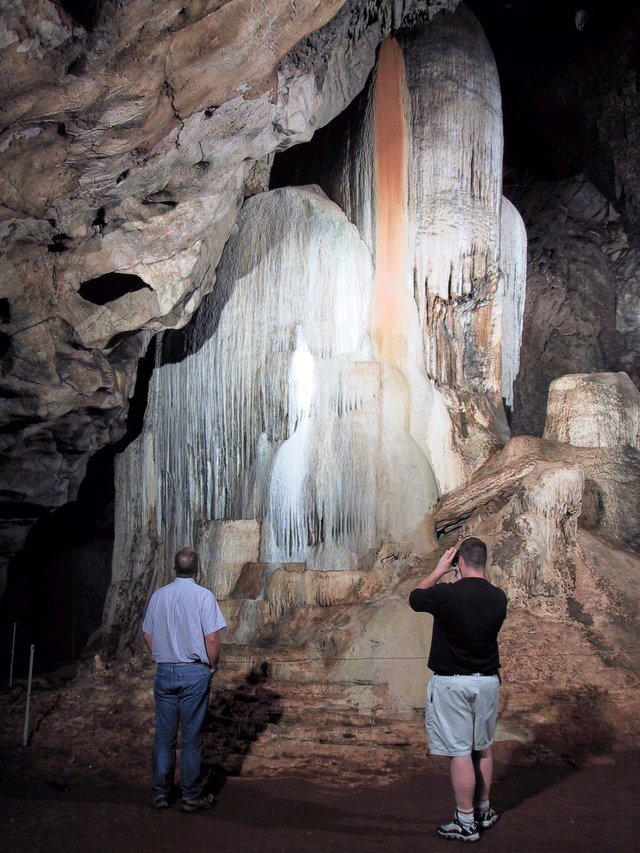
461,712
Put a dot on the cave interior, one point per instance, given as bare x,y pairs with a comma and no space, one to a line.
548,52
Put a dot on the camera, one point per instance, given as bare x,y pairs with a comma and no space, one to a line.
456,559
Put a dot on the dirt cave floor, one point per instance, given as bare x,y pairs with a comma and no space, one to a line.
544,807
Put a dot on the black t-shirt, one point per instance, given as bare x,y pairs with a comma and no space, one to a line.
467,616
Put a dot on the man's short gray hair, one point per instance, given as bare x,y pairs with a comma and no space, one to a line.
186,562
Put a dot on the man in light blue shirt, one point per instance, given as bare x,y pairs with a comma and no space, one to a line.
181,629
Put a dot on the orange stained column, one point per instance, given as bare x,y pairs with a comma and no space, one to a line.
391,204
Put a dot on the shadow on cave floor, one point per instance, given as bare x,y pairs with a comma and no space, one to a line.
579,735
236,717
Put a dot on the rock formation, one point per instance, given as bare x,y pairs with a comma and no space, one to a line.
594,410
582,288
307,393
140,177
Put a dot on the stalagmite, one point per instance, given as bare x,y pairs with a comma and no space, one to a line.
594,410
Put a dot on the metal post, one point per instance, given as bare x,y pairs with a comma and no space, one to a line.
13,651
25,733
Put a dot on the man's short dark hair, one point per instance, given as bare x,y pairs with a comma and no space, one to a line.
186,562
474,552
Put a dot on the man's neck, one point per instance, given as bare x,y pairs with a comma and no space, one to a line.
472,573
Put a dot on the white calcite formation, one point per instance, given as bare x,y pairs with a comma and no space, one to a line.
513,266
284,410
457,147
469,262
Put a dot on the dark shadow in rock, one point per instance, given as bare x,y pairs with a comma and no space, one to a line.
57,584
108,287
235,719
559,748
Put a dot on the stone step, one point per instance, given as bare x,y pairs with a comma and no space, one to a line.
403,734
278,748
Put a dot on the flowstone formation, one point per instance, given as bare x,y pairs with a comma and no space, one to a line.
146,123
332,387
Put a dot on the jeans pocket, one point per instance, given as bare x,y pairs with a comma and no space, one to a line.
161,682
192,678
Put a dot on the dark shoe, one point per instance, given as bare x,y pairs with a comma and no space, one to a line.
456,831
486,820
205,802
160,803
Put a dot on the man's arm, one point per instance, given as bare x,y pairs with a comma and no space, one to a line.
212,646
444,567
148,640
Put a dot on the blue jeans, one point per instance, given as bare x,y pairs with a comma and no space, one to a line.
182,697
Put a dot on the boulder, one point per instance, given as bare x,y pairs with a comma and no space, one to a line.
594,410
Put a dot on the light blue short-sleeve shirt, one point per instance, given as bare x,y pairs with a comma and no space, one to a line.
179,616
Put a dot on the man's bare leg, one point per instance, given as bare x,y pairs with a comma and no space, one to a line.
463,780
483,768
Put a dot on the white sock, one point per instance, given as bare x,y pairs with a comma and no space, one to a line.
465,818
483,807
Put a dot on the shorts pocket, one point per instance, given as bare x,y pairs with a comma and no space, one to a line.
430,692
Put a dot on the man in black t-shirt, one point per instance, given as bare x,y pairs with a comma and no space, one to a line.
463,693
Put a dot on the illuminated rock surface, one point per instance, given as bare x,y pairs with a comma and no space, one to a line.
304,395
139,179
293,416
